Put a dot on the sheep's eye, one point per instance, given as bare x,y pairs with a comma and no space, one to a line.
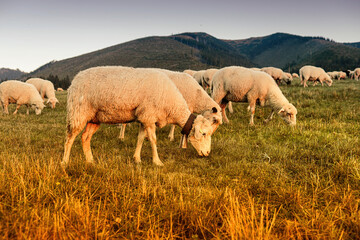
204,134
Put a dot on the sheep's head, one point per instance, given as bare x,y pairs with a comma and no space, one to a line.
199,136
52,102
288,114
37,107
214,116
328,81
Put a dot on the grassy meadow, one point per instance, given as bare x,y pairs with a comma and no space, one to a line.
269,181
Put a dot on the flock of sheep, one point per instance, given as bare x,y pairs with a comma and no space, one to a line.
157,97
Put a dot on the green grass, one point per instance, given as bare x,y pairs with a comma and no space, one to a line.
264,182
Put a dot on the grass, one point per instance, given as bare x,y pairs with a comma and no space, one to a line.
264,182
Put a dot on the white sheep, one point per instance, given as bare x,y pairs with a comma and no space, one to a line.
240,84
357,74
295,75
190,72
311,73
196,98
122,94
14,91
277,74
46,89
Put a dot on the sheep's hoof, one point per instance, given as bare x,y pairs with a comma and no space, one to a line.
137,160
171,138
158,163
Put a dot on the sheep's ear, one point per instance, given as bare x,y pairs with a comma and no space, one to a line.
47,101
183,141
281,110
214,110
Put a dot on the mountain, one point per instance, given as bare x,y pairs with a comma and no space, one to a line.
286,51
6,74
176,52
201,50
355,44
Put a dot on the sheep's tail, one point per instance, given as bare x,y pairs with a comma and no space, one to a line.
77,111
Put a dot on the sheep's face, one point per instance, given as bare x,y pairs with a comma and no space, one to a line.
328,81
288,114
215,118
37,107
52,102
200,135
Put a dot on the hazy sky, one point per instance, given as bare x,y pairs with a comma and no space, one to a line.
34,32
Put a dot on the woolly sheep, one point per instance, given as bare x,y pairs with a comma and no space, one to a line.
196,98
277,74
190,72
46,89
240,84
311,73
295,75
122,94
357,74
14,91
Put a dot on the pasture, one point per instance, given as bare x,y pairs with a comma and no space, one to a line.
269,181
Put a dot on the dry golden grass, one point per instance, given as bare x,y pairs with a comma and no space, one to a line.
262,182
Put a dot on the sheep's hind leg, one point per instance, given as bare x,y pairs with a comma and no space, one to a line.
251,108
140,141
122,131
71,135
90,129
151,131
270,116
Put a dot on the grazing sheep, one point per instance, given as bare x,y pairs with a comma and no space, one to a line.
199,77
190,72
46,89
122,94
240,84
350,74
14,91
208,76
295,75
277,74
333,75
59,89
357,74
196,98
311,73
342,75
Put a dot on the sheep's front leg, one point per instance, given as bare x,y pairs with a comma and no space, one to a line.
5,107
140,141
270,116
91,128
223,112
151,131
17,108
251,108
171,133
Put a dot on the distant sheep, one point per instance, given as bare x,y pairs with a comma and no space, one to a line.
311,73
357,74
46,89
14,91
277,74
196,98
295,75
240,84
123,94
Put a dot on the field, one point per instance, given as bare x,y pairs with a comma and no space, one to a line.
269,181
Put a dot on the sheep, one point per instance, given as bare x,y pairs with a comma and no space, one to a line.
59,89
334,75
295,75
240,84
350,74
199,77
115,94
46,89
196,98
190,72
357,74
13,91
277,74
311,73
208,76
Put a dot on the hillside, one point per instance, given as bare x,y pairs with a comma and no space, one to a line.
201,50
291,51
6,73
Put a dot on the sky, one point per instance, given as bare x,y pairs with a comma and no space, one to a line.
34,32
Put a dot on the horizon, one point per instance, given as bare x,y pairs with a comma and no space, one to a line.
37,32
